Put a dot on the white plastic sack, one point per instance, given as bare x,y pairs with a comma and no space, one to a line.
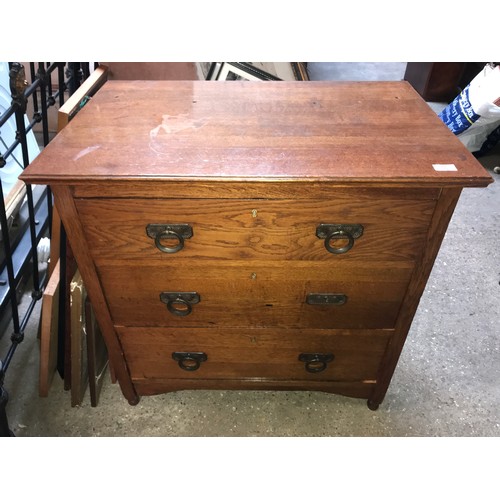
475,112
473,138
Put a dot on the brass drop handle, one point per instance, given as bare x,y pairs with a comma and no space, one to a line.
189,361
339,235
179,307
180,303
333,232
316,362
176,232
171,235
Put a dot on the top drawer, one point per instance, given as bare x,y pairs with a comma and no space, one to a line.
393,228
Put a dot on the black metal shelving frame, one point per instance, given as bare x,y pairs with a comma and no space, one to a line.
18,253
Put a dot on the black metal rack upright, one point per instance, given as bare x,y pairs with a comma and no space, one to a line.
18,253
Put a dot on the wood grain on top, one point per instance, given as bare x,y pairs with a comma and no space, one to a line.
331,131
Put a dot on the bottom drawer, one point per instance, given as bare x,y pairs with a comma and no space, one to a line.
296,354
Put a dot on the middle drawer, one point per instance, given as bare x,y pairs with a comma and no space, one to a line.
295,295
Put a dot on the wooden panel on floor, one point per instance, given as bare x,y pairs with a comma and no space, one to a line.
97,355
78,357
48,337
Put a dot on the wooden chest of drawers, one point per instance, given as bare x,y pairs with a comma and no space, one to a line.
256,235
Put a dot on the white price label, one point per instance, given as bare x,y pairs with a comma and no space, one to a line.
444,167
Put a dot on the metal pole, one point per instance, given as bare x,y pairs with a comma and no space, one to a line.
4,423
62,83
8,258
43,100
18,84
35,99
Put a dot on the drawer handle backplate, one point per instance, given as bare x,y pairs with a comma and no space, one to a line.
189,361
326,299
160,232
316,362
180,303
331,232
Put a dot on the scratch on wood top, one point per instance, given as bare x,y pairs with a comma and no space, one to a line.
85,152
173,124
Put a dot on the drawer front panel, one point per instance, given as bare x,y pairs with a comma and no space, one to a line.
246,296
394,229
253,353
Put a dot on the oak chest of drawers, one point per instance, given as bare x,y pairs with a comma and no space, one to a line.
256,235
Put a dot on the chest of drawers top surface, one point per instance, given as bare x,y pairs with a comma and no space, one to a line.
326,131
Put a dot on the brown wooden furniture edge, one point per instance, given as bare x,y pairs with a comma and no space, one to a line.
439,223
359,389
71,221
